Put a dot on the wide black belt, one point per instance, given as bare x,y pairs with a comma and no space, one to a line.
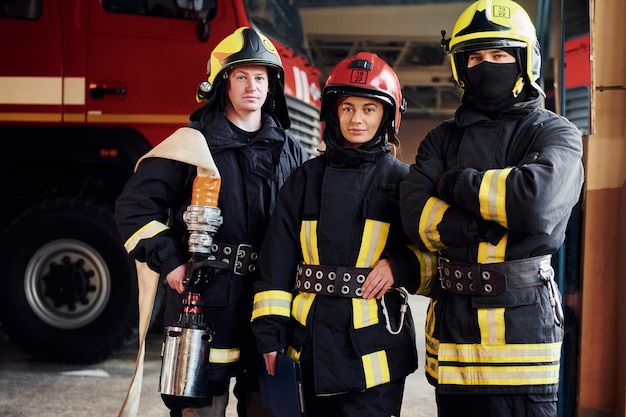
338,281
240,258
496,278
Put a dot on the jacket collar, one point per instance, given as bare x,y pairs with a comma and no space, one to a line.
467,114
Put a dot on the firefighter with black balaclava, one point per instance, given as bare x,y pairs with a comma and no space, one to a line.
243,122
491,193
335,266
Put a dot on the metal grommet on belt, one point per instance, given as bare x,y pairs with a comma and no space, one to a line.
239,258
488,288
486,275
323,279
458,274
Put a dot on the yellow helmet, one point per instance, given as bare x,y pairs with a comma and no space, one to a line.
495,24
246,46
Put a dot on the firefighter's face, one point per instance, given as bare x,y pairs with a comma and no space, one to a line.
359,119
497,56
248,86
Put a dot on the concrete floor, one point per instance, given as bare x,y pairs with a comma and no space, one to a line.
29,388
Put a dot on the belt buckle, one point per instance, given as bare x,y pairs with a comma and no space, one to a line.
240,254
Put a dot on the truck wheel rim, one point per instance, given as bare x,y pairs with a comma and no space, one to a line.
67,284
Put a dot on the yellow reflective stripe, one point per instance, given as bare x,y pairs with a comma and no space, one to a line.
376,368
301,306
429,328
375,235
432,214
364,312
149,230
488,253
492,196
428,269
271,303
432,344
431,366
293,353
217,355
491,324
492,201
308,242
533,353
499,375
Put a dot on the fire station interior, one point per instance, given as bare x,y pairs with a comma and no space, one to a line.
407,34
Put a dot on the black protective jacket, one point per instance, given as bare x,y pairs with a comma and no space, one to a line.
332,215
159,193
517,179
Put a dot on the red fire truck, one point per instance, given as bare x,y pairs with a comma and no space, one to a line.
86,87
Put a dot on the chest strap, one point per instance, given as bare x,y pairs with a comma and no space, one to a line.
338,281
494,279
241,258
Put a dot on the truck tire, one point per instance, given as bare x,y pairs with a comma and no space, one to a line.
69,290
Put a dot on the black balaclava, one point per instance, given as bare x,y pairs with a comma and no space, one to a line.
489,86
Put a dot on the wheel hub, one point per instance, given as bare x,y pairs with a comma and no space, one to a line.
68,283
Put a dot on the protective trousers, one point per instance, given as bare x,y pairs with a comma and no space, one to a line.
216,409
523,405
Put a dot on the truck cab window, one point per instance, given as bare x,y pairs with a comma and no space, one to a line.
21,9
161,8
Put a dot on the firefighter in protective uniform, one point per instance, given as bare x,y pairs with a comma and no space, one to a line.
491,192
243,122
334,248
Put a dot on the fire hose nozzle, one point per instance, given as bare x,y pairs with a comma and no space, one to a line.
202,224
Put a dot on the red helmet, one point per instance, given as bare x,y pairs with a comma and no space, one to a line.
367,75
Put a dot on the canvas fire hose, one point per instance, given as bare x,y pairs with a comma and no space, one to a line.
189,146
